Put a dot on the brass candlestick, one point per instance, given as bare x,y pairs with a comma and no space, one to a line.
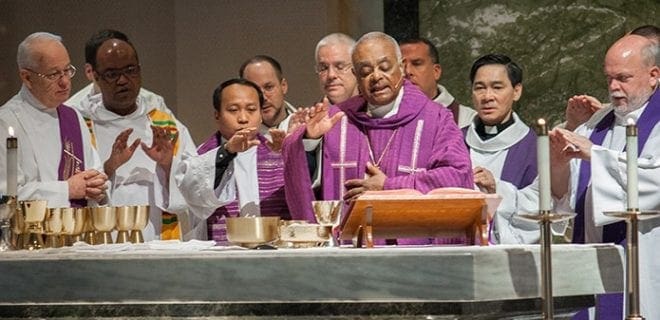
632,216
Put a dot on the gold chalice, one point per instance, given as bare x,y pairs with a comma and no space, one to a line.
69,225
104,220
34,214
88,232
328,215
141,220
17,227
125,222
53,226
80,225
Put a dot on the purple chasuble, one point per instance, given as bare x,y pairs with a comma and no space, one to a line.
615,232
272,202
418,148
72,159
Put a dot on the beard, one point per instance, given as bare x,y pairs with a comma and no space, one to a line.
632,102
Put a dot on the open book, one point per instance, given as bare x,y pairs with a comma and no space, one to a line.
407,213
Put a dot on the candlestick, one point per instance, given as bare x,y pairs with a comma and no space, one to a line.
12,163
631,165
543,165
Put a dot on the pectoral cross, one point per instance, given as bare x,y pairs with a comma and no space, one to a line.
412,168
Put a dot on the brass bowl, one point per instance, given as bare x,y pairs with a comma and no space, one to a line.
252,231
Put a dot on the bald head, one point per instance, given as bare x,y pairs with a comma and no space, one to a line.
632,72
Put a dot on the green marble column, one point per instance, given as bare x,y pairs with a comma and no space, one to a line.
559,44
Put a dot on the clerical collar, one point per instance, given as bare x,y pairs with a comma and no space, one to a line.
386,110
487,132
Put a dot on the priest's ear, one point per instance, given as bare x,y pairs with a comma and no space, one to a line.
26,77
517,91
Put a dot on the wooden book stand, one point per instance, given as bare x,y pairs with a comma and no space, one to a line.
407,213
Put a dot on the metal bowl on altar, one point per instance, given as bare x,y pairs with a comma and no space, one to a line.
302,234
252,231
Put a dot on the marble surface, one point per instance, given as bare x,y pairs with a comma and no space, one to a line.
217,281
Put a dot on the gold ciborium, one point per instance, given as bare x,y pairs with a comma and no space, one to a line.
104,221
53,226
141,220
7,211
125,222
34,214
328,215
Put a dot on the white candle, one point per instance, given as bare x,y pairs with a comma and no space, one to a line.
12,163
631,165
543,165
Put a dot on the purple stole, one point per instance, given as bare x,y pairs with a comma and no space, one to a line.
72,159
520,164
272,202
615,232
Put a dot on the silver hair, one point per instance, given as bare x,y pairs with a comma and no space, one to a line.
382,36
25,57
333,39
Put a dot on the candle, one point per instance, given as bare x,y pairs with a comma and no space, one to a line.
631,164
12,163
543,164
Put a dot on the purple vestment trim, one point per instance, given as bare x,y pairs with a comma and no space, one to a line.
211,143
520,163
647,120
72,143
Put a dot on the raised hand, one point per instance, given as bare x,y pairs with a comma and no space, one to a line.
162,147
579,109
277,137
242,140
318,120
569,145
121,152
484,179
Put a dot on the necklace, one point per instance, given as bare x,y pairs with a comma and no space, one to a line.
371,151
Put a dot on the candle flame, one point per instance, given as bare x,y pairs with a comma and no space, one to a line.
541,122
630,121
11,131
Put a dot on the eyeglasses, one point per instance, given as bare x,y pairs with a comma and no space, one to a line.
339,67
113,75
70,71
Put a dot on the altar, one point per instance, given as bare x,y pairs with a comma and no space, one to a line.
316,283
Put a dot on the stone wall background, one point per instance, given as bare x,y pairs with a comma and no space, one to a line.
559,44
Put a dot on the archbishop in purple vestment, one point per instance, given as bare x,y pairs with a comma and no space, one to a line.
420,147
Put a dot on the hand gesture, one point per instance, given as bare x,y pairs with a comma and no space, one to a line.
242,140
579,109
298,119
277,136
484,179
162,147
375,181
318,121
120,152
566,145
